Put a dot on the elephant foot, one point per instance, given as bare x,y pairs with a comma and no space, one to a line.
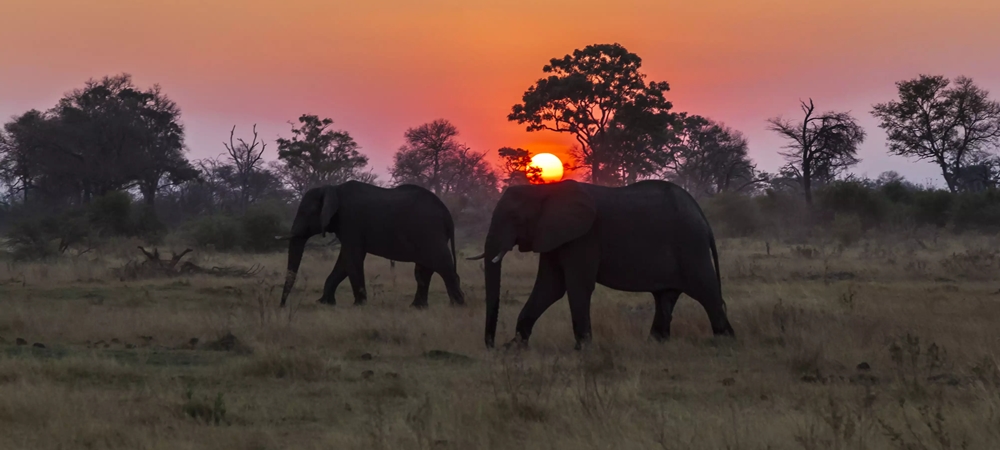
360,302
659,336
726,332
419,305
458,303
518,343
582,343
330,302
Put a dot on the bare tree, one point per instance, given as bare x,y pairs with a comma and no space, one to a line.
821,146
246,158
951,126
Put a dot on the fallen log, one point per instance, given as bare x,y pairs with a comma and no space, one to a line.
156,267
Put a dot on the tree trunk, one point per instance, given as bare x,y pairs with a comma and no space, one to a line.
148,194
807,181
949,179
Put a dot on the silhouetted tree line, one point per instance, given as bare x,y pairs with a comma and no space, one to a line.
110,158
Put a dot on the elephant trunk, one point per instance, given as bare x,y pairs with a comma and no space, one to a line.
496,248
492,300
296,246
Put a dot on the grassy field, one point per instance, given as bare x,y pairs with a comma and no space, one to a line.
889,343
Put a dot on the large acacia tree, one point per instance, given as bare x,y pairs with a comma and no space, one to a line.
953,125
433,157
317,155
107,136
820,145
515,166
599,96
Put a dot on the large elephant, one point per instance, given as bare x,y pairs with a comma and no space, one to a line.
406,223
650,236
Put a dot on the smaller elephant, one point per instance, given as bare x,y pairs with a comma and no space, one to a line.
650,236
406,223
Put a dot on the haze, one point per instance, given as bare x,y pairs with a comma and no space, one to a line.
377,68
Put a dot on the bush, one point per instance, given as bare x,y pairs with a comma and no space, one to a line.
932,207
853,198
847,229
147,225
781,211
28,240
218,231
733,215
42,237
111,214
980,210
260,226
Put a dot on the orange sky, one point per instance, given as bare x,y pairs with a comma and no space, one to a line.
378,67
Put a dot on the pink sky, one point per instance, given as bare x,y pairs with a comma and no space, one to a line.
379,67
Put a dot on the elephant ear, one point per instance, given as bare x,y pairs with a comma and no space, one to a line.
566,215
330,205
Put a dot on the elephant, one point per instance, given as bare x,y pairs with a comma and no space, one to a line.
650,236
406,223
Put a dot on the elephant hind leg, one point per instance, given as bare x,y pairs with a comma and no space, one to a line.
710,298
442,264
454,286
702,284
665,301
423,277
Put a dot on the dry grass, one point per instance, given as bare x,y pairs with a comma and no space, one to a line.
922,311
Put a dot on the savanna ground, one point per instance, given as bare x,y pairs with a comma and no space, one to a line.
119,369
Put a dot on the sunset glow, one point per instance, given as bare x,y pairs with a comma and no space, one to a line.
377,68
551,166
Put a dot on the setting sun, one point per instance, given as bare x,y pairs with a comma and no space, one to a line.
551,165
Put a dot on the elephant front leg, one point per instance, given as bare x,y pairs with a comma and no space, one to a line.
580,288
549,288
336,277
663,315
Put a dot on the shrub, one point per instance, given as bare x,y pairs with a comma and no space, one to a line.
733,215
980,210
219,231
932,207
111,214
146,224
29,240
782,210
853,198
260,225
847,229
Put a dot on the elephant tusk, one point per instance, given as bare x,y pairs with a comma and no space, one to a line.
499,257
283,238
477,257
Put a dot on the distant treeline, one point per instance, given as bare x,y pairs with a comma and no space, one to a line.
109,159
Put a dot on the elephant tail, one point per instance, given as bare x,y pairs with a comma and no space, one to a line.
451,237
715,259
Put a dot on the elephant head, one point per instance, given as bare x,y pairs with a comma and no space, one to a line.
315,216
536,218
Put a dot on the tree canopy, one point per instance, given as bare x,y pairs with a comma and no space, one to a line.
711,158
599,96
107,136
317,155
951,124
